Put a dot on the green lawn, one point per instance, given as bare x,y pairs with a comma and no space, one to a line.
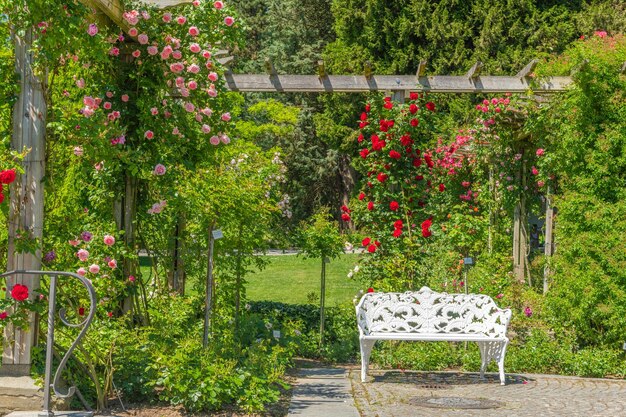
289,278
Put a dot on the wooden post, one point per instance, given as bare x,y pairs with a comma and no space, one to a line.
26,211
548,245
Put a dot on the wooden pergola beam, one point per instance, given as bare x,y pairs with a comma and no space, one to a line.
382,83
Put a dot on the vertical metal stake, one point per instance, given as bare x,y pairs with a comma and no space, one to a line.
49,345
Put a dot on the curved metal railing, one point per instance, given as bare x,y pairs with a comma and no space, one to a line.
50,338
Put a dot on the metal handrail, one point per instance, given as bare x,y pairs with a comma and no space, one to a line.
47,412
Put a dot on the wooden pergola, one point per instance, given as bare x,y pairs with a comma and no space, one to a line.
29,121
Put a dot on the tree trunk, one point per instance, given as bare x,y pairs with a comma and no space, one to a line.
27,198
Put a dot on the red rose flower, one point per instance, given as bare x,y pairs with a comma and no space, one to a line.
414,122
362,125
430,106
417,162
360,138
426,233
378,145
1,198
363,117
364,153
19,292
442,188
368,107
534,170
419,177
427,223
388,105
361,196
377,243
465,184
345,217
406,140
81,311
366,241
394,154
4,315
398,224
413,108
371,248
429,160
7,176
370,206
413,96
381,177
370,289
345,208
397,232
393,206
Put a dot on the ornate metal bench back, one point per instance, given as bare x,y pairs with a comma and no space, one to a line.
49,383
429,312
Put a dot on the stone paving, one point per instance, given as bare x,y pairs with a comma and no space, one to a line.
412,393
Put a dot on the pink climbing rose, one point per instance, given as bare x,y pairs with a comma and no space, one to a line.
159,169
92,30
149,134
94,268
109,240
194,31
82,254
229,20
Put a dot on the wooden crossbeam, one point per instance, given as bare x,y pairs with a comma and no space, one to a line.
421,69
321,69
474,72
360,84
162,4
528,69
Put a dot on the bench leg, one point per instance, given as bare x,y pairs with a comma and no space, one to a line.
501,361
366,350
484,359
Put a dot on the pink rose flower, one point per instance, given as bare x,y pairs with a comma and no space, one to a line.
136,53
74,242
167,17
131,278
125,98
206,54
78,151
149,134
206,128
92,30
109,240
229,20
192,85
193,68
112,264
214,140
154,111
194,47
226,117
213,76
133,32
189,107
107,105
94,268
109,94
193,31
159,169
181,20
153,50
177,54
143,39
218,5
82,254
225,139
81,271
80,83
540,152
114,51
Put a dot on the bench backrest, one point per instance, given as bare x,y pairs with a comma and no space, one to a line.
429,312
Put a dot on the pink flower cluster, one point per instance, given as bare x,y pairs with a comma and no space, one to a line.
157,207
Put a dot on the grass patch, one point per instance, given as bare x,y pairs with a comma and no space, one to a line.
290,278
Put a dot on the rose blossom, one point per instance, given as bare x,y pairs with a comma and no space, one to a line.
82,254
86,236
81,271
206,129
167,17
112,264
194,47
131,278
149,134
109,240
181,20
213,76
153,50
226,117
193,31
229,20
143,39
133,32
159,169
92,30
218,5
78,151
94,268
214,140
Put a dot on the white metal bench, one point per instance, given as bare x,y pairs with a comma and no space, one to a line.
431,316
